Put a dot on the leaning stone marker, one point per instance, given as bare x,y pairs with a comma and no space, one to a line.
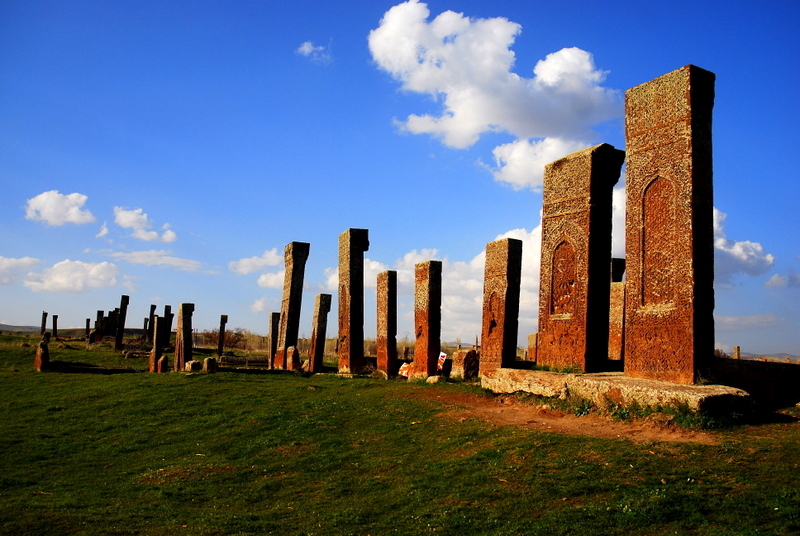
158,344
183,337
44,323
669,305
295,255
386,340
274,326
501,288
319,328
576,254
352,245
427,318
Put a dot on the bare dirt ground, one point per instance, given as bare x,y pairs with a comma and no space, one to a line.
507,411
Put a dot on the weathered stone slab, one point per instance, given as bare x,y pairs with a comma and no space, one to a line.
319,328
293,359
533,347
44,324
613,387
158,344
386,339
501,288
193,366
41,361
274,327
576,255
352,245
183,337
223,319
120,327
669,301
427,319
295,255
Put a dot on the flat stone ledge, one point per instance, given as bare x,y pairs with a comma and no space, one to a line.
614,387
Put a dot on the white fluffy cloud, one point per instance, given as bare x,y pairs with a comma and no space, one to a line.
11,269
137,220
791,280
54,208
272,279
466,65
73,277
253,264
736,257
162,258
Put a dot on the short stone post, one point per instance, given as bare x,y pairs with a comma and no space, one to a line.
183,339
42,360
319,327
501,288
123,313
223,319
88,330
427,318
295,256
387,323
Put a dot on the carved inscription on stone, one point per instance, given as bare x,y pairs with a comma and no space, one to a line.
501,289
576,255
669,302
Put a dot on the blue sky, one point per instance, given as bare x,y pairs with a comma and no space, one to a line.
170,150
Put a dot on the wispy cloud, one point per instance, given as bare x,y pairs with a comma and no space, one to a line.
737,323
249,265
54,208
466,65
73,277
160,258
137,220
316,53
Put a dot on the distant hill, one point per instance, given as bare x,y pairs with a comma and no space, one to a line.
6,327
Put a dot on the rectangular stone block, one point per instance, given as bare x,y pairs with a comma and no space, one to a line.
319,328
533,347
352,245
616,322
669,323
295,255
427,318
576,255
183,337
501,288
387,323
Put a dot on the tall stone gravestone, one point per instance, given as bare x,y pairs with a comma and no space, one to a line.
427,318
319,328
183,336
576,254
386,340
295,255
352,245
669,305
501,289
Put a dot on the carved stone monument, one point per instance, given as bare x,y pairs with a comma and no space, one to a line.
120,327
386,340
158,344
295,255
183,337
576,254
44,323
427,318
41,361
319,328
352,245
274,326
669,322
501,288
223,319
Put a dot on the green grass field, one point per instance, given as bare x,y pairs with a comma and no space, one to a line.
95,452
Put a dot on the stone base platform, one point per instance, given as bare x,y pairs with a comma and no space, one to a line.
614,387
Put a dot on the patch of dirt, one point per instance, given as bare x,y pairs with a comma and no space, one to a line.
507,411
